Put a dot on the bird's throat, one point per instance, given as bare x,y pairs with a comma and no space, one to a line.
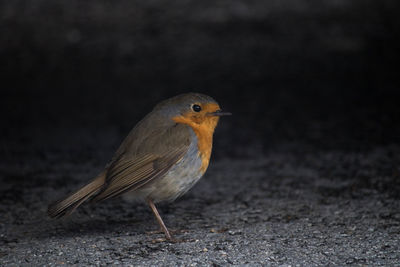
204,132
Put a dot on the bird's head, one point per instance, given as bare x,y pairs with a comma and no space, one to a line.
199,111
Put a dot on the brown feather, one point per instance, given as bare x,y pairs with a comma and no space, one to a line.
69,204
124,176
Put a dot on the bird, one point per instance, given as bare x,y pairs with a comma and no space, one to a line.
162,157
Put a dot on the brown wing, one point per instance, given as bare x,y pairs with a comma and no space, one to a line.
152,159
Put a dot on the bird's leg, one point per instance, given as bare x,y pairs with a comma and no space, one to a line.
160,221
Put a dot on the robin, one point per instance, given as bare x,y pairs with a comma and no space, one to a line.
162,157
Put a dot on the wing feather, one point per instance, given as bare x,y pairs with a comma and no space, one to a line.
129,172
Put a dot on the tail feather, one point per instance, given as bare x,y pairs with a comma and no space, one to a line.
68,205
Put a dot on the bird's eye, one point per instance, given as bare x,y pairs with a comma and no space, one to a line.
196,108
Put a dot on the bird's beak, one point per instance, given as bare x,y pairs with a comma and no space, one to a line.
219,113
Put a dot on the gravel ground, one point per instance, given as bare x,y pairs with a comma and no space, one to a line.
293,206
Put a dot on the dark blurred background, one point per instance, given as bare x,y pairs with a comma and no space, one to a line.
77,75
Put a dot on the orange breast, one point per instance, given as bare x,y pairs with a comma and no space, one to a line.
204,144
204,131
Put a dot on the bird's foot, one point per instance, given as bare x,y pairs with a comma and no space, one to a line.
172,231
171,238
